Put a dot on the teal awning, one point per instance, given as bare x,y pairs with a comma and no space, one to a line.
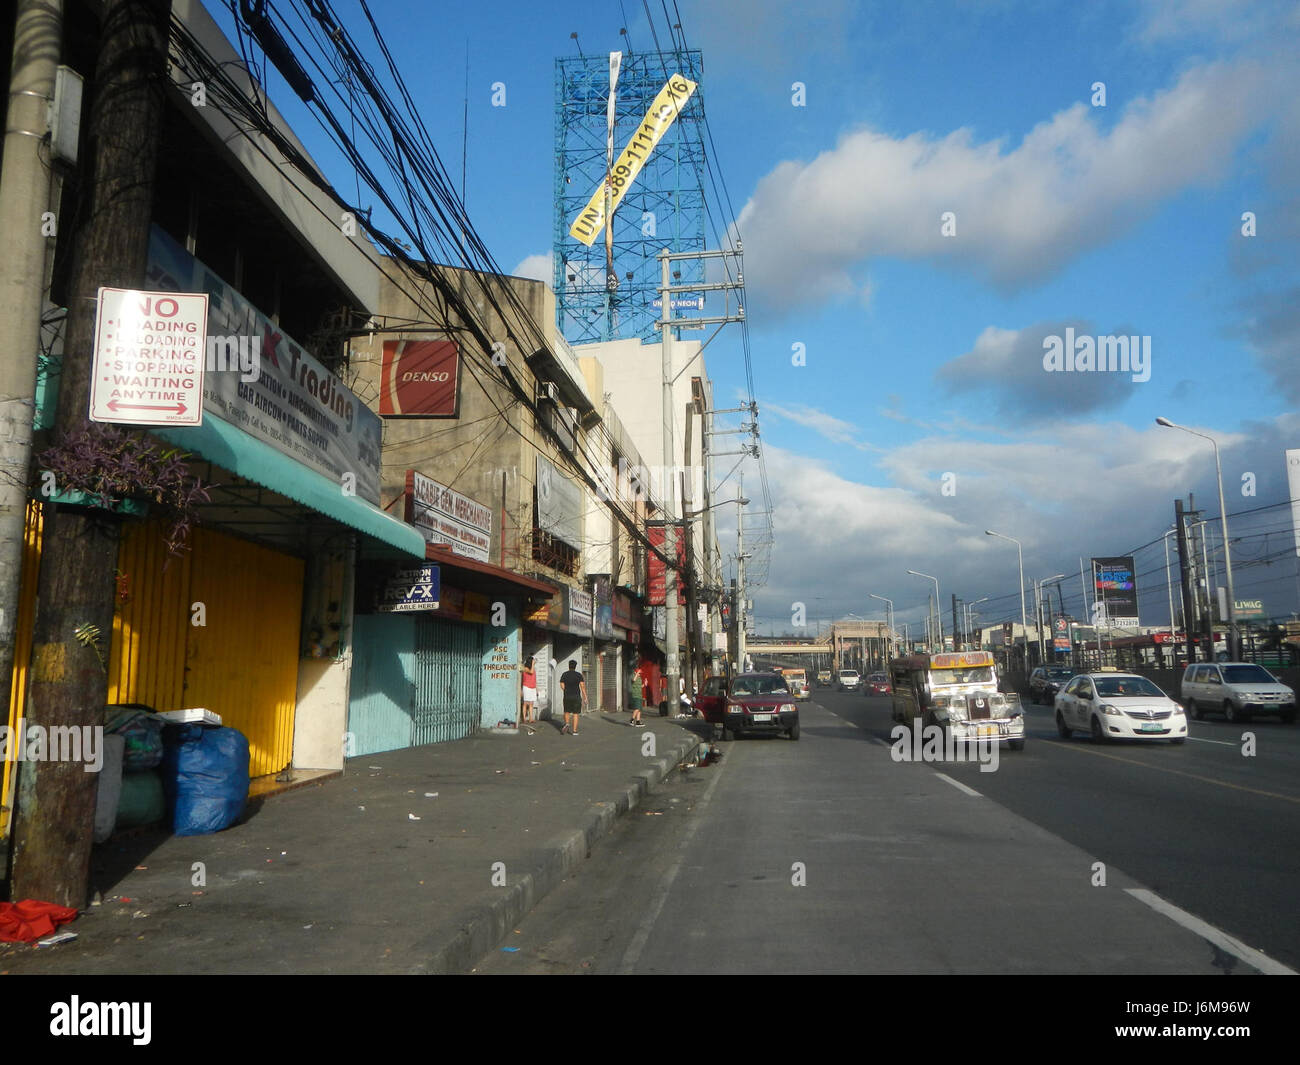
223,445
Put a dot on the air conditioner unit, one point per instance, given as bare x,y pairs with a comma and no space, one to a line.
548,390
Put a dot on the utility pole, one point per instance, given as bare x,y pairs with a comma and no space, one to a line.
740,576
24,198
667,323
956,629
56,800
1185,572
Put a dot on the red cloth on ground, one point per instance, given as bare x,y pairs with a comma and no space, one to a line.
29,920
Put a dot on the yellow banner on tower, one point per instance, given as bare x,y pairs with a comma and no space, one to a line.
665,109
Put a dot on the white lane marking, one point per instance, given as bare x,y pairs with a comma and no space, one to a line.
633,953
1235,947
959,785
1222,743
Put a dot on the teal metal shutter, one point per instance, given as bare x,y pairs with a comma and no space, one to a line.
448,680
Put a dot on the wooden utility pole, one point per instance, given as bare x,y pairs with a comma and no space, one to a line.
56,799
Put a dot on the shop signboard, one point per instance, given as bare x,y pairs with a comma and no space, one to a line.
559,504
418,379
602,620
657,575
1061,633
445,516
624,616
580,607
148,359
266,385
416,588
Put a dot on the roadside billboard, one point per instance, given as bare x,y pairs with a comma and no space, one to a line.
1116,589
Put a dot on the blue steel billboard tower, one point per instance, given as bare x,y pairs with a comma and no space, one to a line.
663,208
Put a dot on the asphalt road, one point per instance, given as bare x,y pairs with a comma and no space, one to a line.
828,855
1203,825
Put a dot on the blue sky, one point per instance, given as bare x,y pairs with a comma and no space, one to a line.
924,351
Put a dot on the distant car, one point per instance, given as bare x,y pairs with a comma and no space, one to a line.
1112,706
849,679
1046,681
877,684
1238,690
824,676
753,702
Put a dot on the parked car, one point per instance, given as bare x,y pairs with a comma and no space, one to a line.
1046,681
849,680
1112,705
877,684
1238,690
753,702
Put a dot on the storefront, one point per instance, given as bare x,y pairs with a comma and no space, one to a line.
439,650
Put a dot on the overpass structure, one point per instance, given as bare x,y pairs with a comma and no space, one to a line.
756,646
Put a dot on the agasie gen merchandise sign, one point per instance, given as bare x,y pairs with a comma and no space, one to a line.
149,357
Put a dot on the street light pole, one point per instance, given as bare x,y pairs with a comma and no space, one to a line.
1038,612
937,601
889,618
1020,554
1234,637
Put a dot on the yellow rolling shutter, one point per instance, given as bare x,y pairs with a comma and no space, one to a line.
26,620
241,662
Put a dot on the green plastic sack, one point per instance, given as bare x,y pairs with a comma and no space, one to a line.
143,801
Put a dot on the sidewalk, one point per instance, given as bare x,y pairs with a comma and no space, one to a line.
387,869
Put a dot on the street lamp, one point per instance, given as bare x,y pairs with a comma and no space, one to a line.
889,619
1020,553
972,614
1234,637
1038,611
938,609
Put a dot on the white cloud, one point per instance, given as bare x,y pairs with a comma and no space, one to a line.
832,428
537,267
1021,214
1072,491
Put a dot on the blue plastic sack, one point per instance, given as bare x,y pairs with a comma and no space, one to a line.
205,774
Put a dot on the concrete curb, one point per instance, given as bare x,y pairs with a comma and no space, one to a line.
488,925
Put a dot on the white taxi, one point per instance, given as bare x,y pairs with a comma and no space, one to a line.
1112,706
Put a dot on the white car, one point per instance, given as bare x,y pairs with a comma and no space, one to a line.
1114,706
849,680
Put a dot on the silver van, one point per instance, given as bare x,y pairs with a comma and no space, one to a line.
1238,690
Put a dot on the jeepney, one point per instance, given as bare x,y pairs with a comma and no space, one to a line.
798,681
958,691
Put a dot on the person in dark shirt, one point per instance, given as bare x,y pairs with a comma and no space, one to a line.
575,696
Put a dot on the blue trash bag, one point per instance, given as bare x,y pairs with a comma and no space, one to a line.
205,775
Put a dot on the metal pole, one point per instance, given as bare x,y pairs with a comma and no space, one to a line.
1169,582
1234,637
740,575
671,614
25,194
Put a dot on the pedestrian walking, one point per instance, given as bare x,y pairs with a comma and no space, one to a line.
528,692
575,696
635,693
